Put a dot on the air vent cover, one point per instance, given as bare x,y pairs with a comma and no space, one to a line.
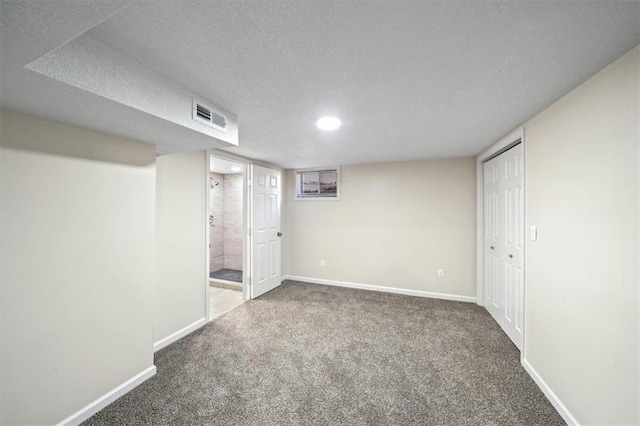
208,115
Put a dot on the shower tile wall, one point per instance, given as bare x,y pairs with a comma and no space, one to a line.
233,221
217,231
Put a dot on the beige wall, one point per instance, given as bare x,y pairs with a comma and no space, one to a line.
395,225
582,273
77,266
180,242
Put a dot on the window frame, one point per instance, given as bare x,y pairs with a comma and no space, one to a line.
297,184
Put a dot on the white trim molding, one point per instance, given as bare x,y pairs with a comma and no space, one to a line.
419,293
208,217
106,399
551,396
162,343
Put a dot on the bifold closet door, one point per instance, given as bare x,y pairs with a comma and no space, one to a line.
504,241
492,239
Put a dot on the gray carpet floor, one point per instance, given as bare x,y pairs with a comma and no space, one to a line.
306,354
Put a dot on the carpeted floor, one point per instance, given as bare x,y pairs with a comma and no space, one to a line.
312,354
227,275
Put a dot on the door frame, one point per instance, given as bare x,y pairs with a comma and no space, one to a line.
512,139
246,209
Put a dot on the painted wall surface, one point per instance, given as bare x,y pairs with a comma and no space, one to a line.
394,226
233,184
77,224
216,200
180,242
582,273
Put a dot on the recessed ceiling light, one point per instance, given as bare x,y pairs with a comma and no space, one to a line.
328,123
235,169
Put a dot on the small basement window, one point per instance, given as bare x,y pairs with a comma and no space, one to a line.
317,184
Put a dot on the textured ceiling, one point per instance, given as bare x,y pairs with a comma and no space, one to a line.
45,44
410,80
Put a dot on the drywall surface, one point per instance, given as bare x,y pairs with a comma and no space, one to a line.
181,228
581,317
394,226
77,266
92,66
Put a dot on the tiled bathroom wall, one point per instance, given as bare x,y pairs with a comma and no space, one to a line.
217,230
233,221
226,232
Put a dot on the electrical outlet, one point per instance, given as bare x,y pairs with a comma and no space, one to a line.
322,263
440,273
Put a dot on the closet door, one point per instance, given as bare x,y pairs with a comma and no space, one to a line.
513,248
492,241
504,241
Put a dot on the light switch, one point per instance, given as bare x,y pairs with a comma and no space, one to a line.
534,233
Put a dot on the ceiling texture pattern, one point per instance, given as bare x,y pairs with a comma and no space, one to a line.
410,80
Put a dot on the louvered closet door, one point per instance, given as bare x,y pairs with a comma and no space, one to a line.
504,241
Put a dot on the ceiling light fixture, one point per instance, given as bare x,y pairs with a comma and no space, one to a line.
235,169
328,123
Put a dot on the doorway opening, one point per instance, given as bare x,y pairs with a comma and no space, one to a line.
227,253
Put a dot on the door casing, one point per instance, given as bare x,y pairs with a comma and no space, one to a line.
246,208
246,220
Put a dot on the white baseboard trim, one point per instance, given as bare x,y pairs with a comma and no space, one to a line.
383,289
551,396
178,334
106,399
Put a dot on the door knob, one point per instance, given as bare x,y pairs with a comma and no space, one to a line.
279,234
491,247
511,256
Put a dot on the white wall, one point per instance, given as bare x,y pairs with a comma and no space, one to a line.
394,226
77,266
582,273
181,229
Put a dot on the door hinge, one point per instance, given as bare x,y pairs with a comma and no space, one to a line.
249,231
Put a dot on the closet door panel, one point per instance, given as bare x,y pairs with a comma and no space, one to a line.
504,240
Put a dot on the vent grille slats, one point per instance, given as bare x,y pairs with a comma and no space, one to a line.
206,115
203,113
218,120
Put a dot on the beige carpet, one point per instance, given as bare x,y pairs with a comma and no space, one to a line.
307,354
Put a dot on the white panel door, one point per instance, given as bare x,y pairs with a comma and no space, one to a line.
492,240
266,202
513,248
504,241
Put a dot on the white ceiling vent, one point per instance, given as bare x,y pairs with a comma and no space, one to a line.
208,115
